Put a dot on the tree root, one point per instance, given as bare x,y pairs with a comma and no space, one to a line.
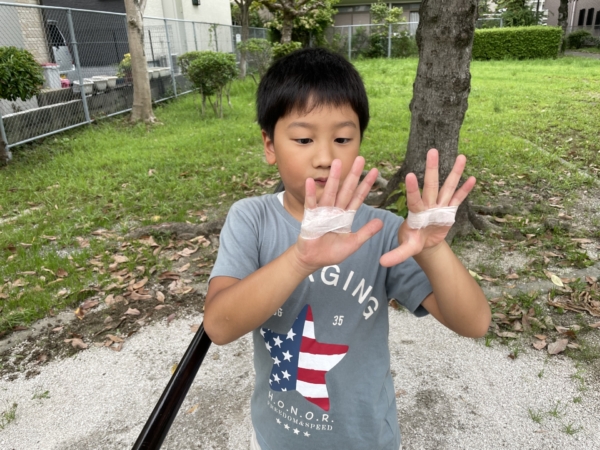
180,230
494,210
480,223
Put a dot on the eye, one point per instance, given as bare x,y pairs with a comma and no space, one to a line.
303,141
342,140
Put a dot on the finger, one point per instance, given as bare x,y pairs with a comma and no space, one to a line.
449,187
462,192
414,202
350,183
367,231
333,182
363,190
431,185
310,194
399,254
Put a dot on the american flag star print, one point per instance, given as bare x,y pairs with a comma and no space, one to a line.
300,362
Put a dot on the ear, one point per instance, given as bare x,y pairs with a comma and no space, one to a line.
269,148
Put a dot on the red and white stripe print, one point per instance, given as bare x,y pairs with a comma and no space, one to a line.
315,360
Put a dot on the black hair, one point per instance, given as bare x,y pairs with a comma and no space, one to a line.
309,78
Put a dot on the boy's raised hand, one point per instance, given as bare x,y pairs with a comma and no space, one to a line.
333,248
416,241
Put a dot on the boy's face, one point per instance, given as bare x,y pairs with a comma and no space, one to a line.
305,145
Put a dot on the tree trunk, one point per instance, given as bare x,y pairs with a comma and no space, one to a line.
563,21
142,99
245,16
288,26
440,92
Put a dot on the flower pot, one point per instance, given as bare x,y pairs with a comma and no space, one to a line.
111,82
100,83
88,86
165,72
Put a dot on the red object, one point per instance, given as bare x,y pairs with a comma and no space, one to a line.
49,65
65,83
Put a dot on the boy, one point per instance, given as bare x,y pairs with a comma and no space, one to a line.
317,303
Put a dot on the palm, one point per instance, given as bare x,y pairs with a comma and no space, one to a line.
414,241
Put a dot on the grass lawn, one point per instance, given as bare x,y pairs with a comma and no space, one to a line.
523,116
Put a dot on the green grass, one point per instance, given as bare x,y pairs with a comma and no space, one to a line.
523,116
8,416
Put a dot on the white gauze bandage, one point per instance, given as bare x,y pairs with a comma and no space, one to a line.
443,217
325,219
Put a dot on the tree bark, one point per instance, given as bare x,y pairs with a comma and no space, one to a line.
440,92
563,20
142,98
244,6
286,30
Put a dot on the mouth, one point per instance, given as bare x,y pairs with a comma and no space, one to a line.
321,181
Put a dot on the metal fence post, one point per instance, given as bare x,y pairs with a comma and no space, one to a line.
86,112
170,59
349,42
4,139
390,40
195,39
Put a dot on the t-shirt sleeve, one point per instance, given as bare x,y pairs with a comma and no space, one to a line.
406,282
238,254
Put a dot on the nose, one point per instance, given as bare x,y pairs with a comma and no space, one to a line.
323,155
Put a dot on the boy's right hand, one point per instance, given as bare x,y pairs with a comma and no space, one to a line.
333,248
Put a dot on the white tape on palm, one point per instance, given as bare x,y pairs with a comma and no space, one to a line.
441,217
326,219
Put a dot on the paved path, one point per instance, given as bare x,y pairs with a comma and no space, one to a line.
583,54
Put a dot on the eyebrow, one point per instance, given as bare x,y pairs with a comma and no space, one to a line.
310,126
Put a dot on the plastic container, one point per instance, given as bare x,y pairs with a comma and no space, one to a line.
165,72
51,75
88,86
100,83
111,82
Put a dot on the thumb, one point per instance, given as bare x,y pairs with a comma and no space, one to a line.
399,254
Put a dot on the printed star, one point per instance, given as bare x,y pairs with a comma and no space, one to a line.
276,378
268,346
278,421
291,334
277,341
287,356
285,374
276,361
287,427
306,433
283,389
296,431
262,332
270,381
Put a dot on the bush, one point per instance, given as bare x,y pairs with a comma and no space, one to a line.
124,69
211,72
20,75
517,42
259,54
403,45
581,38
186,59
280,50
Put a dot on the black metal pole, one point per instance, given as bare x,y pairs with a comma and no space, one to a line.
157,426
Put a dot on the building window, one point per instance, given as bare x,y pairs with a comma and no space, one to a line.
597,23
581,17
590,16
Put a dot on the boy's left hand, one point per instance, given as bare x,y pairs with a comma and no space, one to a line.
425,240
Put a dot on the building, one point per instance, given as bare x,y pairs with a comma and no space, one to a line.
357,12
583,14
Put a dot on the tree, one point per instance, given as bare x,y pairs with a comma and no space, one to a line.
517,13
142,98
287,11
563,20
440,93
243,13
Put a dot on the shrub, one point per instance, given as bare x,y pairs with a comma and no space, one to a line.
211,72
259,55
125,66
186,59
20,75
403,45
517,42
580,38
280,50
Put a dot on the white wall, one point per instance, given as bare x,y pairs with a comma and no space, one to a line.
209,11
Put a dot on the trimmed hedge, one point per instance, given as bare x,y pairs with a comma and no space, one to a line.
517,42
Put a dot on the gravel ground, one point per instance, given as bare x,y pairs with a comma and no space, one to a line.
453,393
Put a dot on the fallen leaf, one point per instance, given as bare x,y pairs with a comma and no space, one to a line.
160,296
159,307
62,273
507,334
109,300
134,297
83,243
554,278
77,343
573,345
595,325
132,312
140,284
499,219
79,313
62,293
57,329
19,283
558,346
192,409
538,345
169,276
582,241
88,304
116,348
541,337
151,172
173,368
108,319
183,268
114,338
120,258
512,276
194,328
170,318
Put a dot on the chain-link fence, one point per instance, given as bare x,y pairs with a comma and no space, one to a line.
86,69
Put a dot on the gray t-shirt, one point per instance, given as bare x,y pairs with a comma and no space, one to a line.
322,361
